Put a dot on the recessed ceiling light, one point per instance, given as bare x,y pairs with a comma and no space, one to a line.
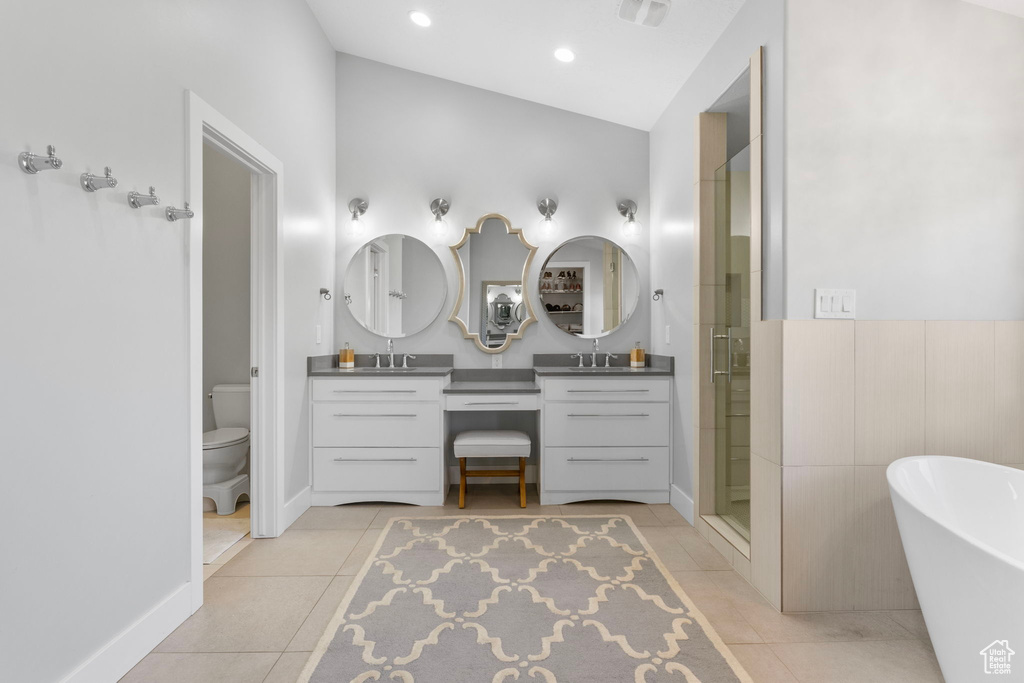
564,54
419,18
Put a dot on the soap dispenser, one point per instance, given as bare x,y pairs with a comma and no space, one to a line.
347,357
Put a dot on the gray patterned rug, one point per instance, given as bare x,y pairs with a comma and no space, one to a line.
579,599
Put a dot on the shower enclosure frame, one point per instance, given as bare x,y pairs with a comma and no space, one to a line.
710,154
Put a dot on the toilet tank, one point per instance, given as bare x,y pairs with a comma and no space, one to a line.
231,405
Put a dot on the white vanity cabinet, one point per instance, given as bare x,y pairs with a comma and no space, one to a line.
378,438
605,438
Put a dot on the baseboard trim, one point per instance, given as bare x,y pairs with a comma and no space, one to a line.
531,475
294,508
682,503
128,648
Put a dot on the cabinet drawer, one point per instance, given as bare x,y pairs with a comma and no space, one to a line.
600,389
492,402
606,469
606,424
376,469
376,424
377,389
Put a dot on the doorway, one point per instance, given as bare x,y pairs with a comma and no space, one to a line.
227,358
207,128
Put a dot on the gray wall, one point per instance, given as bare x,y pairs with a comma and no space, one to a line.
405,138
226,237
905,158
759,22
95,308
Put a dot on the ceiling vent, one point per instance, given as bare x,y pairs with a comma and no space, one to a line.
644,12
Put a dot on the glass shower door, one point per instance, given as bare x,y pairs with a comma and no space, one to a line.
731,343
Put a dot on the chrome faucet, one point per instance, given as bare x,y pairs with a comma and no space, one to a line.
580,356
608,359
593,354
376,357
405,359
391,353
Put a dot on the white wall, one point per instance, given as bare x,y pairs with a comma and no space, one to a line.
226,237
759,22
93,352
905,158
405,138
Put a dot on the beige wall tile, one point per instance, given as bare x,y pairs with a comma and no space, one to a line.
756,88
710,302
1008,427
756,304
881,576
817,392
766,529
704,233
706,503
766,390
710,144
817,538
756,190
959,396
890,391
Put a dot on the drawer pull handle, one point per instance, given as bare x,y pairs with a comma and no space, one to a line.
375,415
375,391
375,460
607,391
609,459
491,403
607,415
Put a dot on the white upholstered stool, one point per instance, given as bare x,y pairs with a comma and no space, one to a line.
492,444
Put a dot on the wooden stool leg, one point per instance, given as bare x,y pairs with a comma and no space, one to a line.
522,482
462,483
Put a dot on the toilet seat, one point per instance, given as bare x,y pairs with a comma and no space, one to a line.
227,436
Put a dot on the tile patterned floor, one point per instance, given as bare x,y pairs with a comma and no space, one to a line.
269,600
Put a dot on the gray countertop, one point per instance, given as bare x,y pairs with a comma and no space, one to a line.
382,372
602,372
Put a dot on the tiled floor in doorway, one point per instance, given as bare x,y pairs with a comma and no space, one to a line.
269,600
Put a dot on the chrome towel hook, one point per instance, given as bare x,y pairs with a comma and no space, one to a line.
34,163
174,214
658,293
137,200
325,293
91,182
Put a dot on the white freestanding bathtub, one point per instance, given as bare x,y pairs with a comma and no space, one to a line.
962,526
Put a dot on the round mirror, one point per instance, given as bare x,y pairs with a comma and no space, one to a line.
588,287
395,286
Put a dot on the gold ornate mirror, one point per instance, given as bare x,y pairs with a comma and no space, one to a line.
493,306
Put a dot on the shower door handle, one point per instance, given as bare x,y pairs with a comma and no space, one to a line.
713,337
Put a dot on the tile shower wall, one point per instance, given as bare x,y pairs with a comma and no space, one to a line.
854,397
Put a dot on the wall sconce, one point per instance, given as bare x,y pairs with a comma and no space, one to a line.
439,207
548,225
631,227
357,207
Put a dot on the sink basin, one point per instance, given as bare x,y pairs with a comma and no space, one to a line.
383,371
600,370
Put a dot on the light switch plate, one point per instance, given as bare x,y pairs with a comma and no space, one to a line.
835,303
319,334
668,334
496,360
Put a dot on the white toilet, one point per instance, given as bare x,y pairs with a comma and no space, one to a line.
226,448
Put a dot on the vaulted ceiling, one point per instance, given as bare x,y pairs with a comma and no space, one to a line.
622,73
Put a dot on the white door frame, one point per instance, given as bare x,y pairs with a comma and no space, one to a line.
204,123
